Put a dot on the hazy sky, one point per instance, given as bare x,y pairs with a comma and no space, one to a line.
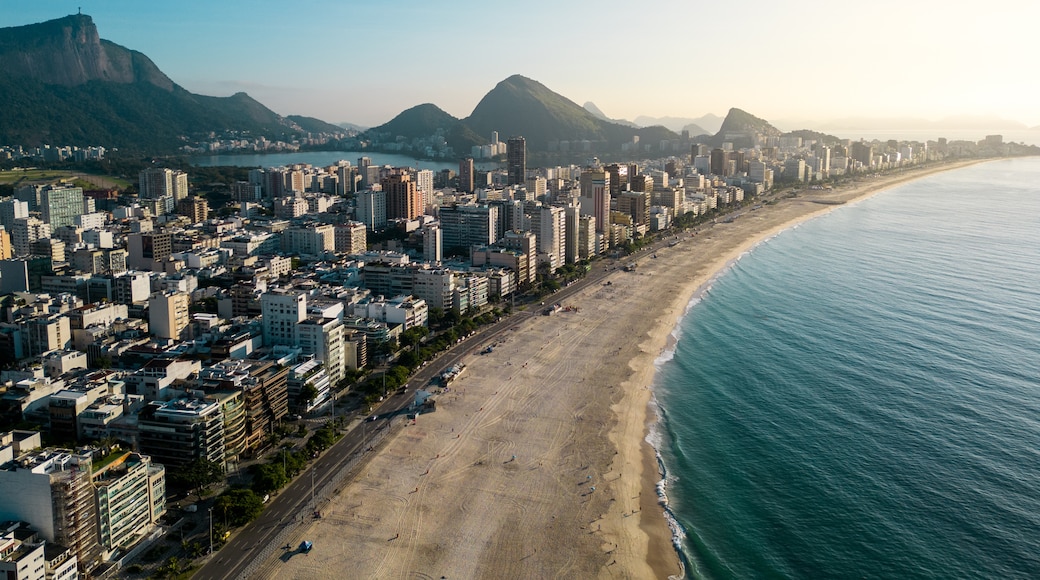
366,61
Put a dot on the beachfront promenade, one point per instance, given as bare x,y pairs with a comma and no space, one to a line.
535,463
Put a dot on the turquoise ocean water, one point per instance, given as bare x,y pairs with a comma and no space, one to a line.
859,396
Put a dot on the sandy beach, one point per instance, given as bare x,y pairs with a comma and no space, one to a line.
535,463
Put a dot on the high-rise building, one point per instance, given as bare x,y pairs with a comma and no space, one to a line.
588,243
246,191
323,338
195,209
131,496
159,182
618,178
549,225
363,165
6,252
862,152
570,235
168,315
12,209
52,491
351,238
27,231
60,205
435,286
643,183
595,197
176,433
403,199
148,251
536,188
423,179
308,374
52,248
371,209
282,311
635,204
527,245
309,239
469,225
516,161
433,244
465,176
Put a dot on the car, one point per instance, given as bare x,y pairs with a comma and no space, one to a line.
267,497
191,508
372,418
295,417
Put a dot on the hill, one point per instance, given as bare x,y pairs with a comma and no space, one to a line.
64,85
705,125
599,114
521,106
312,125
422,121
740,127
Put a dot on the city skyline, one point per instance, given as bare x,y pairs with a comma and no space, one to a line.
364,63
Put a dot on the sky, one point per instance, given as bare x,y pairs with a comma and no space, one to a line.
366,61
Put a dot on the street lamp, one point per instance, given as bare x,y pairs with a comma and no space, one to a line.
211,529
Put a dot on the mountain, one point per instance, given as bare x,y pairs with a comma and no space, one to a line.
740,127
69,52
708,124
521,106
64,85
419,121
592,108
312,125
351,127
424,120
808,134
695,130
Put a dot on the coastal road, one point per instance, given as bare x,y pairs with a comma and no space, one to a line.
293,503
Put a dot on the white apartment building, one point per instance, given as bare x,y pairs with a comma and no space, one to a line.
323,338
282,310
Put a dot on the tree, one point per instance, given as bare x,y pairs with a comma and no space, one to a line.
239,506
198,474
414,335
268,477
435,316
308,392
409,359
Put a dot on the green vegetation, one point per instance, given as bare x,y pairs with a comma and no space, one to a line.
106,460
312,125
281,468
197,475
516,106
238,507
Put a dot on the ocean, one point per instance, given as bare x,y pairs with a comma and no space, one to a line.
859,396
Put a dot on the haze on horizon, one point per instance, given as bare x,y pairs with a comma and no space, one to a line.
364,62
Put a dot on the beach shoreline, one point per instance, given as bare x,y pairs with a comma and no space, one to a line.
828,201
537,462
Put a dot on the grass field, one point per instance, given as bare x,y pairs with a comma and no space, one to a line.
42,176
